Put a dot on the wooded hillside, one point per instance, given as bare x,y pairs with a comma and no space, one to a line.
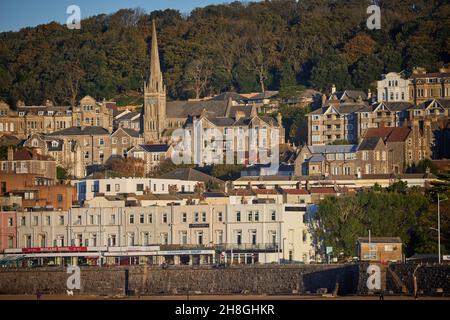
241,47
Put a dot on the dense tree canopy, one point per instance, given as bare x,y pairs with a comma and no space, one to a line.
238,46
397,211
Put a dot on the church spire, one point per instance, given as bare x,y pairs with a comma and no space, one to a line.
155,81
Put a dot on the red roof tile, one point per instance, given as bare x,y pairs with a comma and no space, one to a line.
265,191
322,190
27,154
295,191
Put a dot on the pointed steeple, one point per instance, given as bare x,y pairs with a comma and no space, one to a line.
155,80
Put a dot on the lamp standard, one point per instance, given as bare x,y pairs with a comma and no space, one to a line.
439,226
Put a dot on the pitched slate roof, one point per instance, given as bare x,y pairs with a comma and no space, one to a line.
369,143
77,131
316,158
128,116
263,95
130,132
184,109
189,174
398,106
341,148
154,147
225,96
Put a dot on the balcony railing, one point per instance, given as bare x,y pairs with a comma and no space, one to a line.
269,247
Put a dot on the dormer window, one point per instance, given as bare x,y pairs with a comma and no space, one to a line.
54,144
21,113
40,113
50,113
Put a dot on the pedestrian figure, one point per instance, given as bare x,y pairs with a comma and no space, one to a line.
381,295
38,294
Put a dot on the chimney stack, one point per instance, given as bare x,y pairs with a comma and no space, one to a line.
10,153
333,89
324,99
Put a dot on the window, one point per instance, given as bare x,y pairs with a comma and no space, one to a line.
101,141
140,187
131,239
145,239
131,220
164,217
91,219
112,219
141,219
150,218
47,220
273,215
124,140
108,188
35,220
10,222
28,241
203,216
250,216
10,242
219,216
365,155
256,215
219,237
78,221
117,187
253,237
59,197
184,217
195,216
114,141
183,237
238,216
239,237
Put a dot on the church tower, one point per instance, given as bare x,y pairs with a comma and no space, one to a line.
154,111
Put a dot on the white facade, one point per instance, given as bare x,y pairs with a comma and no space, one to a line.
263,233
86,189
392,88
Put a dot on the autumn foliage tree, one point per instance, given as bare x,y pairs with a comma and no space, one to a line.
128,167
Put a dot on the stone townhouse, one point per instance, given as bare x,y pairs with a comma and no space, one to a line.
28,161
47,118
349,120
246,139
128,119
372,157
405,146
91,113
152,154
92,145
123,140
325,160
432,110
424,85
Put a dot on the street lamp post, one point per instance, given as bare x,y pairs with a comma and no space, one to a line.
439,226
